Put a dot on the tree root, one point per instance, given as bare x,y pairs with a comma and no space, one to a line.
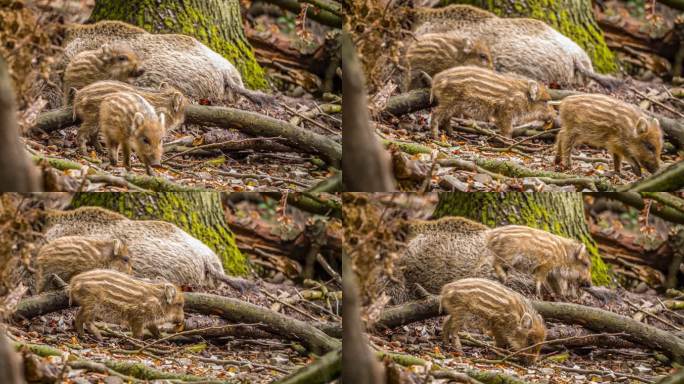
592,318
324,370
250,123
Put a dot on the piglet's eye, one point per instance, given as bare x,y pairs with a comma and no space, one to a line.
649,146
126,259
146,140
122,58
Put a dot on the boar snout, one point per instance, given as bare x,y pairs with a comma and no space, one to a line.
138,72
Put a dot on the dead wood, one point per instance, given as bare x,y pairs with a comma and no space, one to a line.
243,312
324,370
17,174
635,200
228,308
368,168
592,318
250,123
322,15
665,180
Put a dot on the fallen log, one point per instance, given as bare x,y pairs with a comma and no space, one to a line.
228,308
323,13
592,318
250,123
324,370
635,200
243,312
666,180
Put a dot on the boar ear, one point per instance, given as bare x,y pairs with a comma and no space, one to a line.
655,122
533,90
138,120
118,247
526,321
642,126
177,100
106,52
162,119
169,293
579,251
467,45
163,85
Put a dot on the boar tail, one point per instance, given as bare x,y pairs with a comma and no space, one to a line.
240,284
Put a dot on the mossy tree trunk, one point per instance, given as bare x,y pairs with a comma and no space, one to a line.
216,23
558,213
573,18
198,213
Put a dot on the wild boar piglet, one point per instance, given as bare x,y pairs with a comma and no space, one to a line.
492,307
118,298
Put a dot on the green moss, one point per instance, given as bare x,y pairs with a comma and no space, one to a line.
149,14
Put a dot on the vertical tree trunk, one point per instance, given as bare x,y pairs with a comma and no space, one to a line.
10,367
573,18
16,171
558,213
198,213
216,23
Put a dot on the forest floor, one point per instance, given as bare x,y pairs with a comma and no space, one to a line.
526,162
237,161
210,348
575,357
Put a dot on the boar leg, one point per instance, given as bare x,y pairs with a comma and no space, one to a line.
137,329
126,155
78,323
452,325
565,143
617,163
505,124
440,121
95,142
154,330
82,138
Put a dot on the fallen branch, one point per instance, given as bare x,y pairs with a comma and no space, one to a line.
250,123
635,200
665,180
256,124
243,312
230,309
322,15
152,183
324,370
592,318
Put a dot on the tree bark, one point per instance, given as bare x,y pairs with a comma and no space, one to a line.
198,213
10,368
558,213
359,364
572,18
366,166
216,23
17,174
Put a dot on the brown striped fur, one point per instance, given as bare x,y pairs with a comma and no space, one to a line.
554,261
449,224
490,306
106,63
71,255
435,52
605,122
166,99
118,298
483,94
128,122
